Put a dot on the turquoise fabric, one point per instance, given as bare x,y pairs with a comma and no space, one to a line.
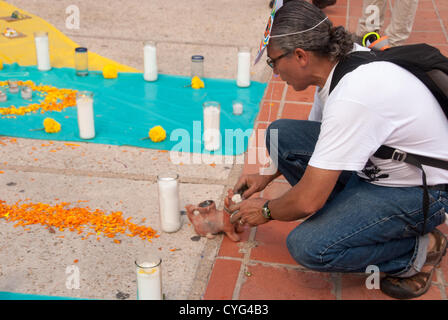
22,296
127,107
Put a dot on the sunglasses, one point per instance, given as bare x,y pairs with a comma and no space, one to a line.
271,62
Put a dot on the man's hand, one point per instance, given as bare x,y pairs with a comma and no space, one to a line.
248,212
249,184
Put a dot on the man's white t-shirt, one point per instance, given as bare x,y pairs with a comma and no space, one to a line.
321,94
378,104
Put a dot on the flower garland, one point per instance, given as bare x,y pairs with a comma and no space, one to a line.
55,99
74,219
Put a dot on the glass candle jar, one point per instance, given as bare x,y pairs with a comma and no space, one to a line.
3,96
81,62
13,86
212,135
197,66
86,121
150,61
26,93
149,278
42,51
169,206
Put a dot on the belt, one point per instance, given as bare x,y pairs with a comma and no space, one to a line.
439,187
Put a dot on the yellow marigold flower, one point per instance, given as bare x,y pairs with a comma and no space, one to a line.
197,83
157,134
110,72
51,125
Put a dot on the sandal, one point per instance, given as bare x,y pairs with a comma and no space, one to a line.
418,284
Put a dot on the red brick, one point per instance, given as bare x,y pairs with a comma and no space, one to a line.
333,11
426,14
271,242
306,95
296,111
443,13
274,90
268,111
223,279
340,3
427,25
355,10
278,283
338,20
230,248
441,4
430,37
425,5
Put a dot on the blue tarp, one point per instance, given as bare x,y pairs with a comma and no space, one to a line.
127,107
22,296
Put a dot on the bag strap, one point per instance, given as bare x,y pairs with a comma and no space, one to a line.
385,152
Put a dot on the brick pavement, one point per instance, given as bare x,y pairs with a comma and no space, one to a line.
260,267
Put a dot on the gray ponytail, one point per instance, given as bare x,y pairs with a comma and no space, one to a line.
324,40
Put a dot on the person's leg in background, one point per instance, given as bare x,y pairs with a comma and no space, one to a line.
372,19
403,14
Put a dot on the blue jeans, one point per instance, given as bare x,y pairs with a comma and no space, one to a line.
361,224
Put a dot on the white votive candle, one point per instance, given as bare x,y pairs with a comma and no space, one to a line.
86,122
169,202
237,198
3,96
243,77
13,86
26,93
42,51
212,135
149,280
150,61
237,108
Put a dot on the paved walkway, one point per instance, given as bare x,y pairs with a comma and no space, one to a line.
260,266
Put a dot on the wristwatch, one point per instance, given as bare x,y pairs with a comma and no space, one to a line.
265,211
